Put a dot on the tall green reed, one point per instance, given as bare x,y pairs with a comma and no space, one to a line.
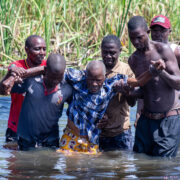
75,28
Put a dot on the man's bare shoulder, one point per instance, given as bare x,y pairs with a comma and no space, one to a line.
161,47
132,59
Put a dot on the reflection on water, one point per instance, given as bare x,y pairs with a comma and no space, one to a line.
48,165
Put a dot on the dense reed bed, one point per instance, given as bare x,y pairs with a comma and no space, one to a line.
75,28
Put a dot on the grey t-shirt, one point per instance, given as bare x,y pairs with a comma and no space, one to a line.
40,113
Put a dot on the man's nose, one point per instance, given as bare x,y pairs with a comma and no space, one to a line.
136,41
108,55
42,51
94,83
158,33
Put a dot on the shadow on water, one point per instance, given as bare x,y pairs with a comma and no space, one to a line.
48,165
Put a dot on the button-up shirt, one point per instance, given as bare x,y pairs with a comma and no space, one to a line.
118,108
87,108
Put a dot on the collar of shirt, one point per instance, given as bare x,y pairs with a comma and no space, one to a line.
115,70
46,92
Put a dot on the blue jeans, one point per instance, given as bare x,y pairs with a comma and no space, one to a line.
122,141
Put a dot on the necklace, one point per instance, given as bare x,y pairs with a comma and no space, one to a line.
26,63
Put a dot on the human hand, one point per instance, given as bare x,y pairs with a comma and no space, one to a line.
103,122
121,87
156,67
17,72
159,64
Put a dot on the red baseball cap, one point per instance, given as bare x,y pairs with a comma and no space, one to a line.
161,21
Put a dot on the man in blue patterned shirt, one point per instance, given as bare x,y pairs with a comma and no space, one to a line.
91,95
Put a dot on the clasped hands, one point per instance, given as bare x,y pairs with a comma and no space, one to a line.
14,75
156,67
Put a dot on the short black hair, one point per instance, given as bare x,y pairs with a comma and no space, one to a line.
136,22
111,38
28,42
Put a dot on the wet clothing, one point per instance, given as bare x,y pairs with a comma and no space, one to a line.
16,103
72,142
118,108
87,109
117,134
157,137
25,145
38,121
122,141
11,136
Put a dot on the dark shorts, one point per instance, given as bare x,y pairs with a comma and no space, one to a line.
158,137
11,136
25,145
122,141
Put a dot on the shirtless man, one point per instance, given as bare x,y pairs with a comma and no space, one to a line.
158,128
160,29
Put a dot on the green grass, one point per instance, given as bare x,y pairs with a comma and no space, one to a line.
75,28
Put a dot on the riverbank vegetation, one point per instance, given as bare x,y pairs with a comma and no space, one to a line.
75,28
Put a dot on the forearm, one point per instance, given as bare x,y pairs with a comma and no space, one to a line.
133,95
5,86
172,80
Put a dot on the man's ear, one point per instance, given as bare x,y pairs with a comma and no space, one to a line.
26,49
120,49
170,30
148,31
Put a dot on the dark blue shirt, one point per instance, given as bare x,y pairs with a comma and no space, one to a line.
40,113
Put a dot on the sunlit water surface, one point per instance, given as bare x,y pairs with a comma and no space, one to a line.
48,165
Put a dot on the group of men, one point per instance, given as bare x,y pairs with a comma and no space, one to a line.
99,97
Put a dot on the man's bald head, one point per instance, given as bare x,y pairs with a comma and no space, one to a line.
95,76
95,65
56,63
54,72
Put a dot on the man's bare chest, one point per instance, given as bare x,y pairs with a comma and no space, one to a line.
143,61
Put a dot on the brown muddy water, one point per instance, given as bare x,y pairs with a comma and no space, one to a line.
46,164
